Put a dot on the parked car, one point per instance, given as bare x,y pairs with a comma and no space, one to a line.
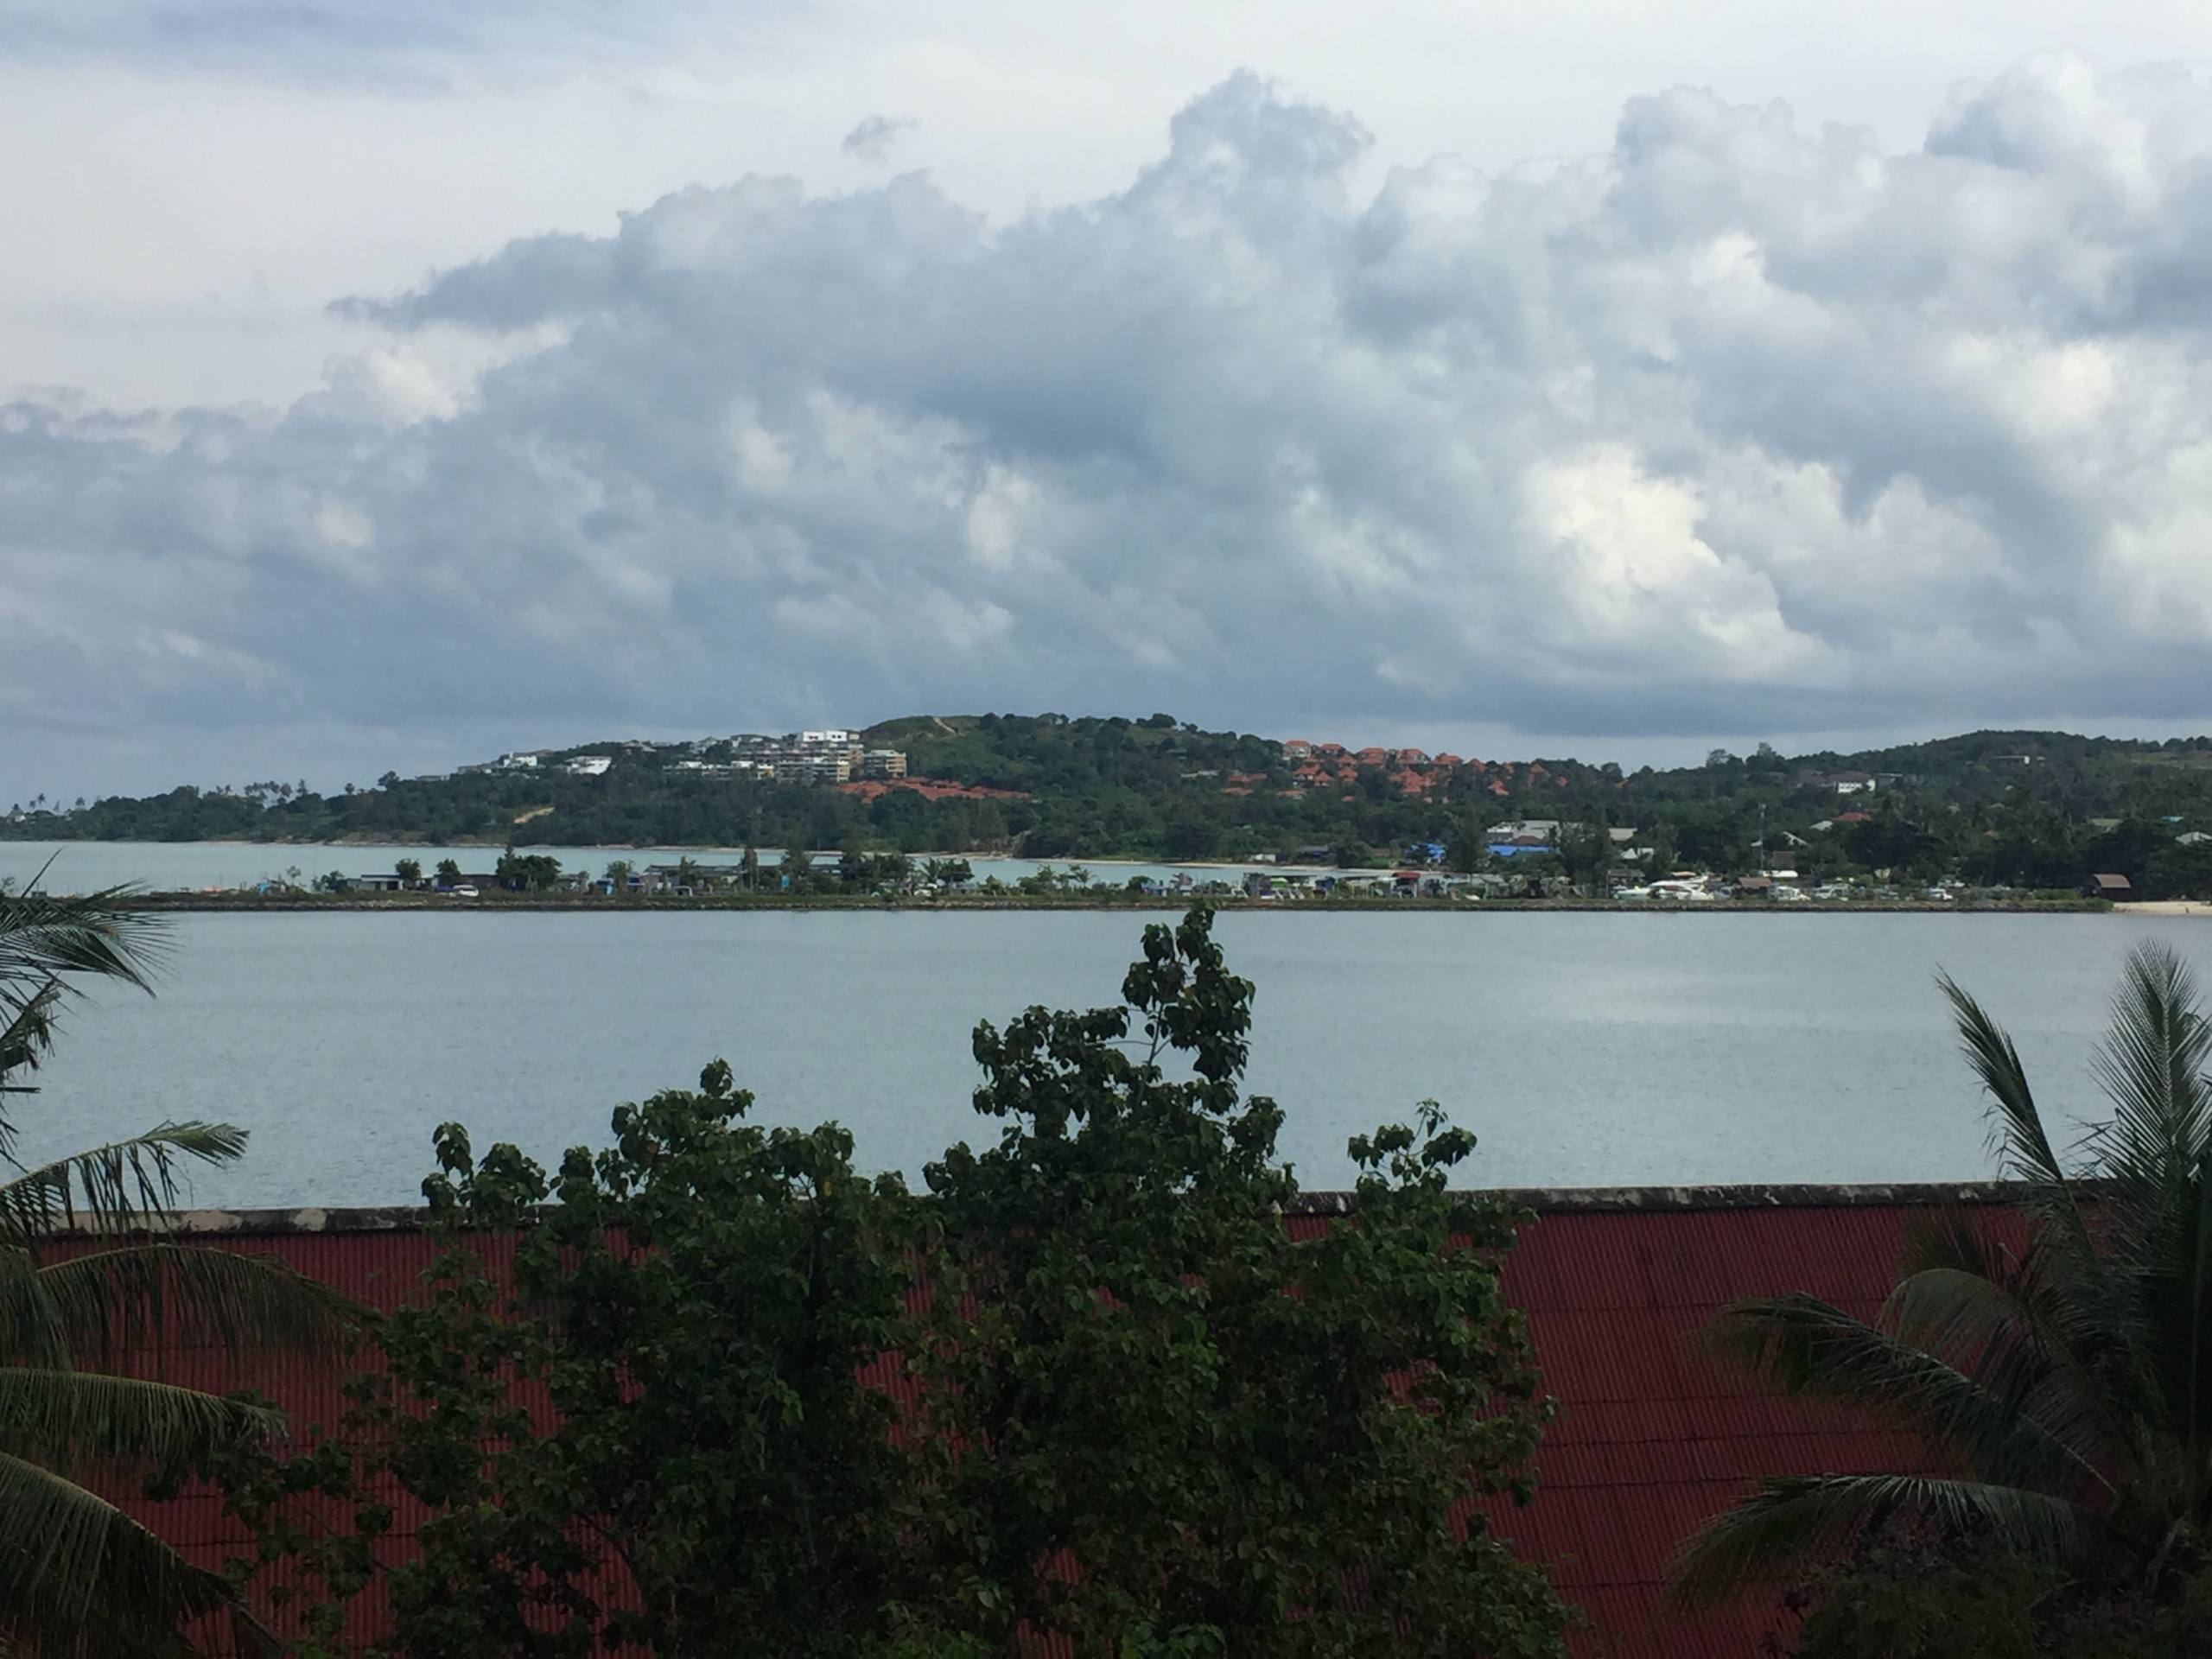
465,889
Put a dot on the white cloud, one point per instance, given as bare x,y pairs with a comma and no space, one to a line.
1736,425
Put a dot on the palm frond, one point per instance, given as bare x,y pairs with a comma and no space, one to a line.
28,1034
1802,1345
119,1185
1796,1521
1995,1311
137,1295
94,936
30,1327
2017,1136
64,1418
78,1575
2151,1064
2158,1218
47,944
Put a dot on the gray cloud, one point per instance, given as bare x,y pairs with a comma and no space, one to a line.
1735,428
872,139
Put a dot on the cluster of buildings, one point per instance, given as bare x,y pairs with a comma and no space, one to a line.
833,755
1848,783
578,765
1414,772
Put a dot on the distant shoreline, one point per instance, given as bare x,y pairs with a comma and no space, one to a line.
1120,860
577,904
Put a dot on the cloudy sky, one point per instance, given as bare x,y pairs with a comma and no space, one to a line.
390,383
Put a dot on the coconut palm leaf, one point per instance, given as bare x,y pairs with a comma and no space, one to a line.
1791,1520
28,1032
116,1301
95,935
2152,1065
121,1184
1803,1346
62,1419
78,1576
47,944
31,1331
2067,1377
2016,1134
1995,1314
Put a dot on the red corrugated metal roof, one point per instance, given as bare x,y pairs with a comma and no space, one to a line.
1652,1438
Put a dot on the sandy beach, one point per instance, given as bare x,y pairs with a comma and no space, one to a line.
2164,907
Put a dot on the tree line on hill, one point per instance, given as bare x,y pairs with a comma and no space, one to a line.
2025,809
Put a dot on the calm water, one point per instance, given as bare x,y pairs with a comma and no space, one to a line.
192,865
1584,1049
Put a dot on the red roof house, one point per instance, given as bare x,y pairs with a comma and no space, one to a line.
1652,1437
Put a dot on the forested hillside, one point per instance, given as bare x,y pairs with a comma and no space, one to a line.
2035,809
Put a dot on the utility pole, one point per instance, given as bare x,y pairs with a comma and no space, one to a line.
1762,837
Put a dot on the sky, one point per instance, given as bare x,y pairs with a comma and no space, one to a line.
386,385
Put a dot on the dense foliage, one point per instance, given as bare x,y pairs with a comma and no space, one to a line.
2056,1367
1130,1405
1052,787
1904,1597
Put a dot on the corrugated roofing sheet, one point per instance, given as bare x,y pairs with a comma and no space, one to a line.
1652,1437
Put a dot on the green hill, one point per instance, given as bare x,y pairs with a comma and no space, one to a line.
2028,809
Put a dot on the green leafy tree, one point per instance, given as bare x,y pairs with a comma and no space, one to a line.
1586,850
410,871
448,872
714,1311
80,1576
527,872
619,870
695,1303
1191,834
1290,1423
1467,849
2066,1381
